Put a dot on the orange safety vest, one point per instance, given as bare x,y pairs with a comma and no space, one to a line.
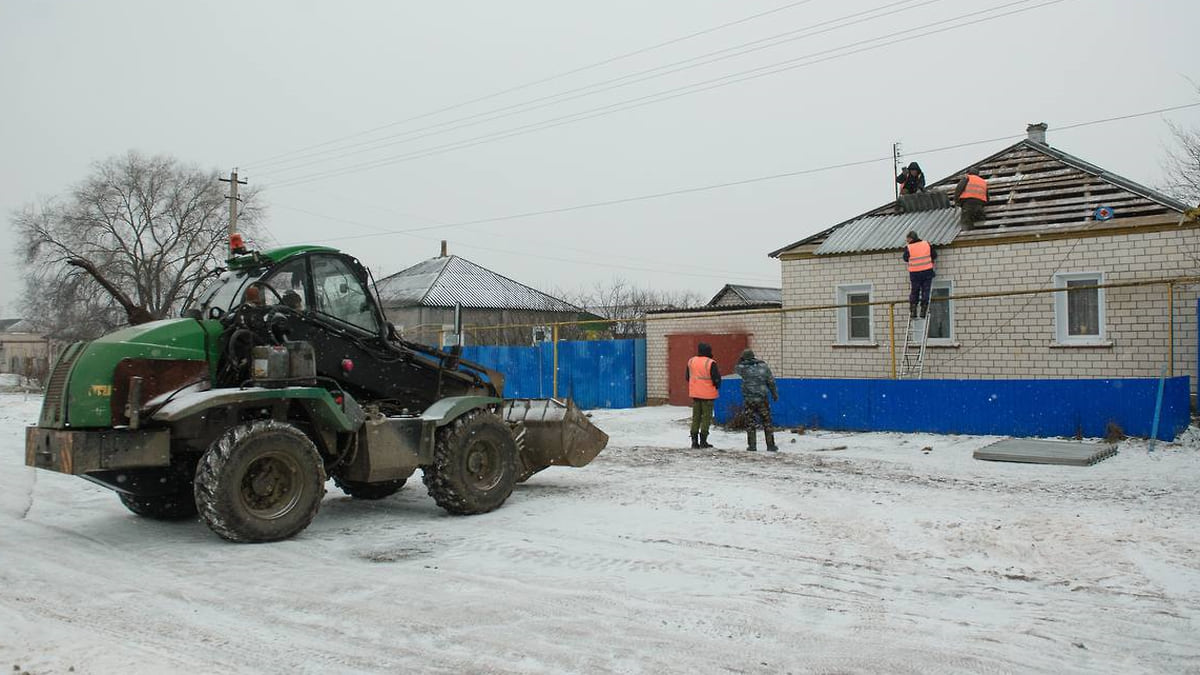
976,189
700,383
920,256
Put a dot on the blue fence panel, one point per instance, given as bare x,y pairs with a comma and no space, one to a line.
1000,407
594,373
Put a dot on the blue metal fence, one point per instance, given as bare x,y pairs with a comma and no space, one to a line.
594,373
1000,407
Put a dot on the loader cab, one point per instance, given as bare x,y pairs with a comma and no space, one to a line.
321,282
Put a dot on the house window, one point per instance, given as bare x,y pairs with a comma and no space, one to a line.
941,311
1079,313
855,324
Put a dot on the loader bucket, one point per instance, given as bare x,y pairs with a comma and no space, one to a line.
552,433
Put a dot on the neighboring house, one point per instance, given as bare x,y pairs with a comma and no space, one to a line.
1044,228
23,350
421,301
734,295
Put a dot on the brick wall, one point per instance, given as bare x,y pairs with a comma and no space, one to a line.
765,340
1009,337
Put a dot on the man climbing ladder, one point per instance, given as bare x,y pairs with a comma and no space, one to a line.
920,256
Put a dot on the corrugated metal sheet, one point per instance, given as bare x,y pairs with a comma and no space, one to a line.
594,374
446,282
882,233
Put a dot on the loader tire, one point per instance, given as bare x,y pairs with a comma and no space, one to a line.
361,490
474,464
260,481
180,506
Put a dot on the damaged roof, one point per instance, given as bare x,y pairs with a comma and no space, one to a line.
452,280
1030,184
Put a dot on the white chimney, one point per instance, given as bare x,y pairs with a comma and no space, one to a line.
1037,132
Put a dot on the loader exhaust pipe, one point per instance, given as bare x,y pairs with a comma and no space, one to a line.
550,432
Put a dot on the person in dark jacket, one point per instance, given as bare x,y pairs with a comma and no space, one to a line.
704,381
920,256
911,179
757,384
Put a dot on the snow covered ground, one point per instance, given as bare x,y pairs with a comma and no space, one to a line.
878,557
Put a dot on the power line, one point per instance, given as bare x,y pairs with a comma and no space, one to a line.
594,88
525,254
757,179
543,80
686,90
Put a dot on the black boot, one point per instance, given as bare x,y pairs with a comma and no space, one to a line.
704,441
912,311
924,310
771,447
695,442
751,441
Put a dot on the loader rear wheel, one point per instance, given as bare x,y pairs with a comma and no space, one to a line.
261,481
361,490
180,506
474,464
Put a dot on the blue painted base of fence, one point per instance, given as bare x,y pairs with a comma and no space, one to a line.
985,407
593,373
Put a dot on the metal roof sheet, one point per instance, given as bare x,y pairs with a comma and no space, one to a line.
882,233
747,295
446,282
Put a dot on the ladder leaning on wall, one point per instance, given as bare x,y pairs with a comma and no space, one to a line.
916,337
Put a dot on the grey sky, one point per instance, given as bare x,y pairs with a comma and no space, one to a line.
226,84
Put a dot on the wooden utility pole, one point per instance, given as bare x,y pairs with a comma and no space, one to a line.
233,198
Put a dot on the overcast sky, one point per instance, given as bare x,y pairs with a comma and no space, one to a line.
226,84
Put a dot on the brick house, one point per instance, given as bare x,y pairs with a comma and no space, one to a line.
1044,228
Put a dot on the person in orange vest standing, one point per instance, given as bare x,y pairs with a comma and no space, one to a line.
920,256
971,193
704,381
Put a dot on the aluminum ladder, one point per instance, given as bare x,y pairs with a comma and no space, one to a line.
916,338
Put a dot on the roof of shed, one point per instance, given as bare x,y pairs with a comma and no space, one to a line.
452,280
750,295
1030,184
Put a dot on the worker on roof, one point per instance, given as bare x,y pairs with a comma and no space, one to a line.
971,194
920,256
911,179
704,380
757,384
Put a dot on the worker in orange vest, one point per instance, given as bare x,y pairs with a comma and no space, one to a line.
920,256
704,380
971,193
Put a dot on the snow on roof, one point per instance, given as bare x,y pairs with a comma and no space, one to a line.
451,280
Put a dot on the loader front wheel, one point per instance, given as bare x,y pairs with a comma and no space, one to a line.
260,481
474,464
372,491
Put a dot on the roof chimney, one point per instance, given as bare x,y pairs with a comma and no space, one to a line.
1037,132
443,249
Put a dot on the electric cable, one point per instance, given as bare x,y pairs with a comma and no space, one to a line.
550,78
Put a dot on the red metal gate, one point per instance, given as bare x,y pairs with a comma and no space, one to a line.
727,348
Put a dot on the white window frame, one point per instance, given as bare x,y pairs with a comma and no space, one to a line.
1062,334
947,284
843,313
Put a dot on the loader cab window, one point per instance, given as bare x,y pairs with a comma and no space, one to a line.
338,292
224,293
289,283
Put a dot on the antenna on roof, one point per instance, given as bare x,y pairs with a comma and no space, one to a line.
896,165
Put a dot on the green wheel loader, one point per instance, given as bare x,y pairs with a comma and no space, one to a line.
282,374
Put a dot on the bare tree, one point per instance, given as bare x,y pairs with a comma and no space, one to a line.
626,304
1183,165
126,245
